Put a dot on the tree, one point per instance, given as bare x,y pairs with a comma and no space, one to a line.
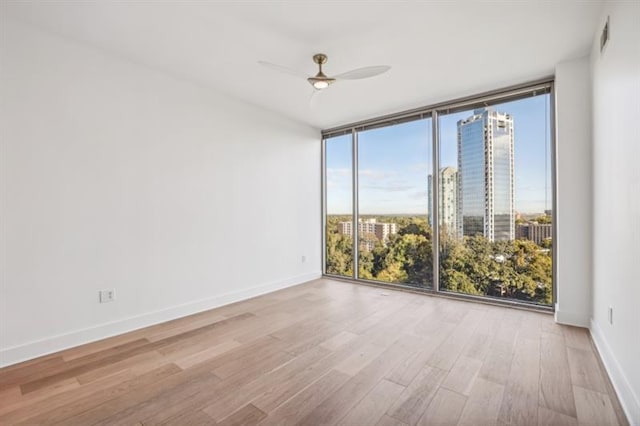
339,254
543,219
474,265
393,273
365,265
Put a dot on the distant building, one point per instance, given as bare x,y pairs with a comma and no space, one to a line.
345,228
486,189
369,231
534,231
447,200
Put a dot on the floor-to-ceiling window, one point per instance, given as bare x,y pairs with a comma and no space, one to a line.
338,180
394,164
499,242
487,213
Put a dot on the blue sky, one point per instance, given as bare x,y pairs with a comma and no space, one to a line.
394,162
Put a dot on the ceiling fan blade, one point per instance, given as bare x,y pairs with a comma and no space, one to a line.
283,69
365,72
313,100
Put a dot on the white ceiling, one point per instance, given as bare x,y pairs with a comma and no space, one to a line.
439,50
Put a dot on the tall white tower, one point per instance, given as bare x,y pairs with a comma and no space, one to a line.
486,186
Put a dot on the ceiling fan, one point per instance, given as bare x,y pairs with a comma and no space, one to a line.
321,81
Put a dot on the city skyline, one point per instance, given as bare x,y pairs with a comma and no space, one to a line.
395,161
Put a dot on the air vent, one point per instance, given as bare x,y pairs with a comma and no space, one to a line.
604,37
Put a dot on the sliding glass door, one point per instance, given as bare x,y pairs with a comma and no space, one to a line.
487,213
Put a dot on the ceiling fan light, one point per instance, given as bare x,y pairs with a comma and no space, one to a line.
320,84
320,81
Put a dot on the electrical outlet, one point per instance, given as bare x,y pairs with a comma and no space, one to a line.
304,259
108,295
610,316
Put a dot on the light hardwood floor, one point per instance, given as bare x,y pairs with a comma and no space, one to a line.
324,352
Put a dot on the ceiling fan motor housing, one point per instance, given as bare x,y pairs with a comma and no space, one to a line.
320,81
320,58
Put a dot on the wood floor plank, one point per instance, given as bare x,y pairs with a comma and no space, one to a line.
549,325
374,319
253,328
617,407
497,363
61,412
416,397
206,354
237,385
483,404
337,405
447,353
247,416
39,402
187,418
152,358
85,363
123,402
266,391
279,392
530,325
10,395
520,403
548,417
240,389
406,371
374,405
387,420
445,409
594,408
141,410
556,390
478,346
15,374
510,326
576,337
120,354
585,371
337,341
313,339
184,326
360,359
300,329
462,375
241,364
299,406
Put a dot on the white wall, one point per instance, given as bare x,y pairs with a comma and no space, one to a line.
573,131
616,201
116,175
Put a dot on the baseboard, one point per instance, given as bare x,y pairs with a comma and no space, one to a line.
60,342
628,399
571,318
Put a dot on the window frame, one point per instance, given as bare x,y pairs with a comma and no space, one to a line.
511,93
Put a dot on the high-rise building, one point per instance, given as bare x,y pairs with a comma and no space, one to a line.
369,230
447,200
486,190
534,231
